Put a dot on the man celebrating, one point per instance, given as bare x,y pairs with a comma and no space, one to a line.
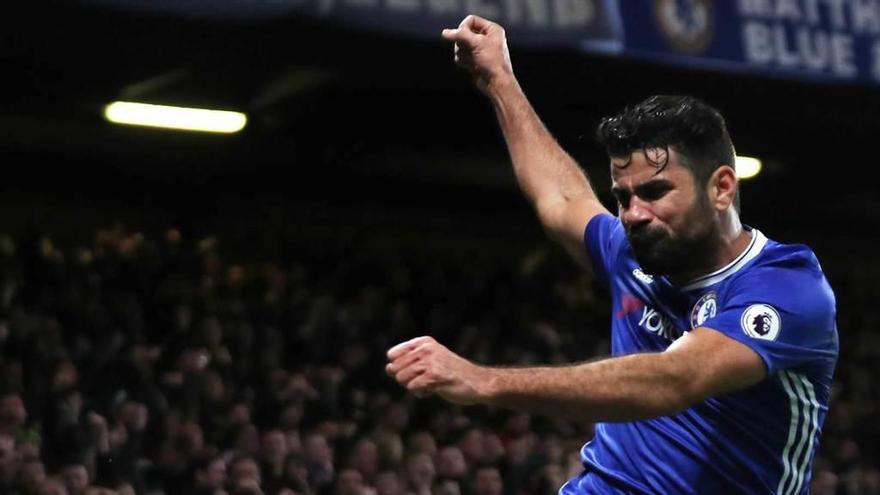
724,341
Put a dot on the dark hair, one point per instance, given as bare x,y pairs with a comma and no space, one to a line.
696,130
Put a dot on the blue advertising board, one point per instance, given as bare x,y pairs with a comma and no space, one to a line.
836,40
593,24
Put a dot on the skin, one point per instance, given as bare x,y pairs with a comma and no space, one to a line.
663,211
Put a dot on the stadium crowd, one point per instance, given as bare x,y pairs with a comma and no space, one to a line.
168,364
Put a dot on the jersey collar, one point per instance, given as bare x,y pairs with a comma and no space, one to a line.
754,248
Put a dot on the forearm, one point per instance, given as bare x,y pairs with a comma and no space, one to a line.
547,173
627,388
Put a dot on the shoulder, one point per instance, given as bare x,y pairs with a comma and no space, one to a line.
788,277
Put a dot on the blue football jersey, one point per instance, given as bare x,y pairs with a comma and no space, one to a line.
773,298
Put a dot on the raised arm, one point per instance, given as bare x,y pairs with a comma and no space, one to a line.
550,178
701,364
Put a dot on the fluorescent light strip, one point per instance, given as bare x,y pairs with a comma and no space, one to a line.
189,119
747,167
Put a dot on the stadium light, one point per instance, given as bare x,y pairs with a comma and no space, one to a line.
747,167
182,118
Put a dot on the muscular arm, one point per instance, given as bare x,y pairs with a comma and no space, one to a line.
549,177
704,363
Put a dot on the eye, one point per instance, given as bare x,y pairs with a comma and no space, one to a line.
622,198
654,192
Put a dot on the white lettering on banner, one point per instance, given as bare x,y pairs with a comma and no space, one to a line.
535,12
788,9
857,16
843,55
865,17
443,7
363,3
805,48
562,14
573,12
482,8
875,60
835,12
755,8
403,5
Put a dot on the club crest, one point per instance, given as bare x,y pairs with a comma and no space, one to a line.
687,25
705,308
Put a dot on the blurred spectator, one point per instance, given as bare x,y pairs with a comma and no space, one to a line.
175,365
487,481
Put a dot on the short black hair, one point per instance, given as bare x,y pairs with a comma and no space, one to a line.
696,130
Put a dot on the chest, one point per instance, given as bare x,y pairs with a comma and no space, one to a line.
649,313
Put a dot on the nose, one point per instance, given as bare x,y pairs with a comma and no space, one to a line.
636,214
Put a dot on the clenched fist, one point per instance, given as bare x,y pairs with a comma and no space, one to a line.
424,367
481,49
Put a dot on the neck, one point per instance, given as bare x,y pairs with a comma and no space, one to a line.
730,244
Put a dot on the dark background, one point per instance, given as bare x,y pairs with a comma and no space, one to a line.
345,117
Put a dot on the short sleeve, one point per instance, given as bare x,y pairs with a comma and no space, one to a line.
604,238
786,315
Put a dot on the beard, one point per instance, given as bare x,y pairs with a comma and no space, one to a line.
662,251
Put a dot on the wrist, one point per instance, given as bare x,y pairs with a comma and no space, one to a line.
502,86
487,385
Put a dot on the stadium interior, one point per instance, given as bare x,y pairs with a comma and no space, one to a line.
197,295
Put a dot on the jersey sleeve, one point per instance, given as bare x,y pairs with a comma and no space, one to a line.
786,315
604,238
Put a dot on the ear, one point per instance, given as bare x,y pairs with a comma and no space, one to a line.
722,187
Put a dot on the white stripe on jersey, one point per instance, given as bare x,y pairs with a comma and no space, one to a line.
804,413
814,429
792,431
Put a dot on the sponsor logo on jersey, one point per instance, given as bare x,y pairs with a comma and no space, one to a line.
658,324
761,321
628,304
705,308
687,25
642,276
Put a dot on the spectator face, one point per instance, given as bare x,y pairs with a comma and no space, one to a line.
133,415
214,477
65,376
472,446
274,446
365,458
240,414
76,479
451,463
424,442
28,450
12,412
245,469
317,450
248,440
488,482
420,471
295,468
70,407
31,476
125,489
447,487
388,483
189,438
99,490
397,417
350,482
9,460
53,487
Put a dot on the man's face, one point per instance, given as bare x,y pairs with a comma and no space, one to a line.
667,216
